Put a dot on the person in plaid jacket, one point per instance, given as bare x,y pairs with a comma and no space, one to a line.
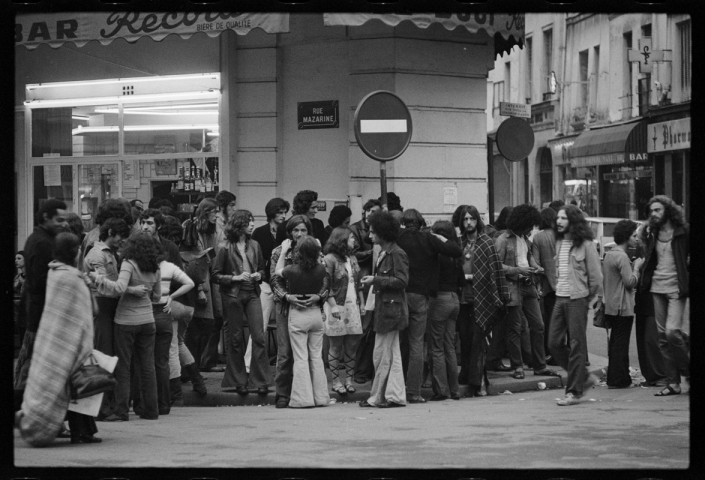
482,300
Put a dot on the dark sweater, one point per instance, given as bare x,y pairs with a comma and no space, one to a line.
423,250
38,252
450,274
268,243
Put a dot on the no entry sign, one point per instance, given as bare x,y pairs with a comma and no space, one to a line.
382,126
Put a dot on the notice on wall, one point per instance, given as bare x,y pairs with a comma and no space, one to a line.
52,175
131,174
450,199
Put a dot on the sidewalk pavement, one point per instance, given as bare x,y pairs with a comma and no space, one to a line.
500,383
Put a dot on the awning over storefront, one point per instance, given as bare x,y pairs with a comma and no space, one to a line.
506,28
610,145
560,149
32,30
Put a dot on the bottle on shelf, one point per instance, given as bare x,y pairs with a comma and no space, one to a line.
200,186
191,179
180,180
215,179
208,182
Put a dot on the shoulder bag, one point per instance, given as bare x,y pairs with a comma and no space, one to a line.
90,379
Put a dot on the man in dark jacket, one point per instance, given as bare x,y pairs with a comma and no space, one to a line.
38,252
422,249
666,276
361,231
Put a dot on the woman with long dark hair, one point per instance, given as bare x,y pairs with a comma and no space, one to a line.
343,326
305,279
391,312
619,279
139,285
238,268
64,341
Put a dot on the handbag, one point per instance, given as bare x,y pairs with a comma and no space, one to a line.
90,379
599,319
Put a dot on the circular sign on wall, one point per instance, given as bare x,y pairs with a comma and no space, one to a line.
382,126
515,139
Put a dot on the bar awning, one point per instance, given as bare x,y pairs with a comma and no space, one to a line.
55,29
610,145
507,29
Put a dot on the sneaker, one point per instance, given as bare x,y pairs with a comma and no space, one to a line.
568,399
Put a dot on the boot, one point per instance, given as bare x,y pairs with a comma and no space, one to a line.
177,396
196,379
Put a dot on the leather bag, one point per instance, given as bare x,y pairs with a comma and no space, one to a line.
90,379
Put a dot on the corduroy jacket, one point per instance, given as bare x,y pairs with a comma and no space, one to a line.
681,253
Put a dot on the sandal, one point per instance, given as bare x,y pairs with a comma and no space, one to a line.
668,391
340,390
518,374
350,388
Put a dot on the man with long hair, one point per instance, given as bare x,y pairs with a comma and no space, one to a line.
483,295
238,268
305,203
578,284
520,266
666,275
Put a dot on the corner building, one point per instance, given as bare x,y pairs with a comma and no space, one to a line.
101,117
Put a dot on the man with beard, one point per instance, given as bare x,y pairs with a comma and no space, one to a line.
666,276
484,293
38,252
578,281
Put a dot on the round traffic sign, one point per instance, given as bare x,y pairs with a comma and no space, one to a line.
382,126
515,139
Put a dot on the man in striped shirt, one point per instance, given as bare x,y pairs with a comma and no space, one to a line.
578,287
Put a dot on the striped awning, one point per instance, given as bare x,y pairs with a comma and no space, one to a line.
610,145
55,29
507,29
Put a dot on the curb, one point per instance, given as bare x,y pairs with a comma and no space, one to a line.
500,383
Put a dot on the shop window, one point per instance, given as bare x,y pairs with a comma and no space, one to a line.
53,181
170,128
95,184
74,131
677,187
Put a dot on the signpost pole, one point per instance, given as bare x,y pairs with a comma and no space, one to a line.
383,183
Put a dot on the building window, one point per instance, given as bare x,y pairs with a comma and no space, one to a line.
646,30
684,41
583,76
644,93
547,58
595,79
507,82
497,96
628,75
529,44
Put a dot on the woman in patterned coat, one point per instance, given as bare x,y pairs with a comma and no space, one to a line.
64,341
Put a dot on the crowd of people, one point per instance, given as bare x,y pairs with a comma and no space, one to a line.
387,299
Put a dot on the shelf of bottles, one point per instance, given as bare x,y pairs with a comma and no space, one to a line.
196,179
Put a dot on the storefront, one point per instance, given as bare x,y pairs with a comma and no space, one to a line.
669,149
90,141
611,171
566,186
115,104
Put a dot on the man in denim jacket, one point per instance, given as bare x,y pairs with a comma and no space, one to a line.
579,281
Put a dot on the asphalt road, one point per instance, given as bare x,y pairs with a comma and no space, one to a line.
610,429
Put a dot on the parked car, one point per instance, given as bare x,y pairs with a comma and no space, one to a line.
603,232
